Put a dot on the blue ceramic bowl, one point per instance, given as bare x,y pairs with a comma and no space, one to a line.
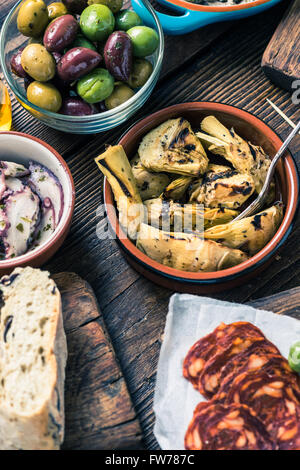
193,16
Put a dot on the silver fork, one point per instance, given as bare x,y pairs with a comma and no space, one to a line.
256,205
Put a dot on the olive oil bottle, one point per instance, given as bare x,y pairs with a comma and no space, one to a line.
5,109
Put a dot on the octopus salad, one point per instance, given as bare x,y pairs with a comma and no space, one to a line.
31,206
179,196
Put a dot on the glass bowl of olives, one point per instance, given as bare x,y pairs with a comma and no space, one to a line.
81,66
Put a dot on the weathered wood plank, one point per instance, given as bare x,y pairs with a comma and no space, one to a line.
99,411
280,61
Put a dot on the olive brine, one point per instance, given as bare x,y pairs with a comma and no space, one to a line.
83,56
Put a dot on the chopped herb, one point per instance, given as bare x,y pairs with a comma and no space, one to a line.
20,227
26,219
42,178
47,227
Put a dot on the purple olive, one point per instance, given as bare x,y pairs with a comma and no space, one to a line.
76,6
60,33
27,81
57,56
118,52
101,108
76,107
77,62
62,86
16,66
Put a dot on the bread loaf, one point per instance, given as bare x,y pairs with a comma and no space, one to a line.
33,355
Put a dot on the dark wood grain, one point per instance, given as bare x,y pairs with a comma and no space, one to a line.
99,411
228,69
284,303
280,61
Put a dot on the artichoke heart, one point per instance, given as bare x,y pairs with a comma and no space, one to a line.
250,234
177,188
149,184
186,252
184,217
245,157
115,166
173,147
217,216
222,186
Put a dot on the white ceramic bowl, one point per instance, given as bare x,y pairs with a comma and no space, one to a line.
22,148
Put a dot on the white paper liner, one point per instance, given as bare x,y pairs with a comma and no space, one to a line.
190,318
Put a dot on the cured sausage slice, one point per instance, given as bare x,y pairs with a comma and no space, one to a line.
200,352
213,343
232,427
254,357
267,391
242,337
285,428
261,354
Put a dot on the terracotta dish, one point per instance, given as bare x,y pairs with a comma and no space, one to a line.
249,127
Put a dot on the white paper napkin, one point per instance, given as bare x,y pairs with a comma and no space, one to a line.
189,318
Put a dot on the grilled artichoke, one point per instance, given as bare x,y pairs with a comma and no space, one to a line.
184,217
173,147
245,157
115,166
187,252
177,188
250,234
222,187
149,184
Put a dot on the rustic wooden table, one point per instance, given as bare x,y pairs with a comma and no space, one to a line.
219,63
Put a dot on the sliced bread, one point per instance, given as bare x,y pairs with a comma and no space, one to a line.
33,355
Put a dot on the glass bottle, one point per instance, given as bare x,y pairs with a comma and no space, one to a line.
5,109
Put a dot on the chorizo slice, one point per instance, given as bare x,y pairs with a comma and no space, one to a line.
211,344
267,391
200,352
257,356
242,337
285,427
220,427
254,357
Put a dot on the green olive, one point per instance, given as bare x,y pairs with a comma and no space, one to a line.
96,86
32,18
38,62
113,5
127,19
294,357
81,41
141,71
120,94
97,22
145,40
56,9
44,95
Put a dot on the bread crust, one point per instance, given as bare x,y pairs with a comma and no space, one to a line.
41,428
